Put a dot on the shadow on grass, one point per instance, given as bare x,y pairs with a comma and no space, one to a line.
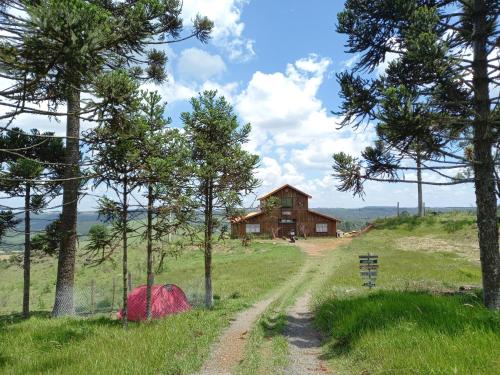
273,325
345,321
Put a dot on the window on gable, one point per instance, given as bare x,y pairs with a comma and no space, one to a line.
321,228
287,202
252,228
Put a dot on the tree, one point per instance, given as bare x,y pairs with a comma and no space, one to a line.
165,174
8,221
223,171
115,144
446,49
31,164
55,52
269,206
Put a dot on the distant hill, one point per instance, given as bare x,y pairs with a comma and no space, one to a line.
352,219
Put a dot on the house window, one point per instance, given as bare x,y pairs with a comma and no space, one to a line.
287,221
286,202
286,213
321,228
252,228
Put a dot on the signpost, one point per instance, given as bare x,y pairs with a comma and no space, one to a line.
368,264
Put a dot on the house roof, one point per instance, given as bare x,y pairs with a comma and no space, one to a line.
247,216
281,188
323,215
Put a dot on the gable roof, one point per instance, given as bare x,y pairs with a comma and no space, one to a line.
323,215
247,216
281,188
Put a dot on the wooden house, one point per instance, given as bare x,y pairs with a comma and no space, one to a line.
282,211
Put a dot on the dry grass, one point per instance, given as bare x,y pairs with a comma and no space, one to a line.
468,248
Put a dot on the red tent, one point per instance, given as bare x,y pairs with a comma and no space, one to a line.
165,300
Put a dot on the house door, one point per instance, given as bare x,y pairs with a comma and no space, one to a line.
286,226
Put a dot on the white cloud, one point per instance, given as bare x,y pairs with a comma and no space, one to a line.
228,27
291,122
227,90
349,63
382,67
284,110
197,64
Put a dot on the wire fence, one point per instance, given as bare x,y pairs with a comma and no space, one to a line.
103,296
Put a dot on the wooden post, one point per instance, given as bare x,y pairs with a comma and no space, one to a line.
92,296
113,295
129,282
423,208
398,209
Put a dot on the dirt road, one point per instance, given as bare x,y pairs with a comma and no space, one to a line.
304,341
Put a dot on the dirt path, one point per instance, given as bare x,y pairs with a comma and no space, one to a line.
229,351
318,247
304,341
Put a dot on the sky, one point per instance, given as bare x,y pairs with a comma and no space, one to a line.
275,61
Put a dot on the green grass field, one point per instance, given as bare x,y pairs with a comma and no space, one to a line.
175,345
413,322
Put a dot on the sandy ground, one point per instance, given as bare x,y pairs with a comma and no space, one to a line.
303,339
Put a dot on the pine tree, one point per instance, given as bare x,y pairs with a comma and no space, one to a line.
115,144
223,171
55,52
31,164
447,50
165,176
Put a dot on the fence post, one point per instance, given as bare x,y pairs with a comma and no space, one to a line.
92,296
113,295
398,209
129,282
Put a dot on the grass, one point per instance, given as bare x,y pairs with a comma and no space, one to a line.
174,345
414,322
266,351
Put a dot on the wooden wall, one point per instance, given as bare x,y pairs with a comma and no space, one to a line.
305,220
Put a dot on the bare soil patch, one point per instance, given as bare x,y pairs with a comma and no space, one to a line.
468,248
320,246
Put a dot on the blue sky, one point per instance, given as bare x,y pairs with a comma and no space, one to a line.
275,61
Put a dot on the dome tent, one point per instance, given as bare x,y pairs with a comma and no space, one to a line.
165,300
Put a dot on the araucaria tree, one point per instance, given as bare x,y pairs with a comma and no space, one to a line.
165,174
438,101
222,170
31,165
52,51
115,144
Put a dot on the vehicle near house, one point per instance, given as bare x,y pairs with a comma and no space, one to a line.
290,215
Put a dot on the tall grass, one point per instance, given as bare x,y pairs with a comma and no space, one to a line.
411,333
175,345
415,321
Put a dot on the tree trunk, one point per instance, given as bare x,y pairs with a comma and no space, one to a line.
64,304
125,255
419,186
484,171
27,252
208,243
149,234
